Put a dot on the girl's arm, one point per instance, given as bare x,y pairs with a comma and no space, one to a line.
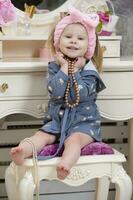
57,81
89,82
87,85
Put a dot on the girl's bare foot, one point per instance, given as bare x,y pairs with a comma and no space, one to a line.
17,155
62,171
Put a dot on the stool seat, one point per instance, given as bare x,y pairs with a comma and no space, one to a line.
94,148
21,180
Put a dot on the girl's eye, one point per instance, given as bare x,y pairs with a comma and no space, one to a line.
68,36
80,38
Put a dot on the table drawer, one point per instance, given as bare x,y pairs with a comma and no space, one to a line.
111,45
35,108
112,48
23,85
118,85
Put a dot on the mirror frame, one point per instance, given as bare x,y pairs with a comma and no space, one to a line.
48,18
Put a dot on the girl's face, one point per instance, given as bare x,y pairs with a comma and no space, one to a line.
74,41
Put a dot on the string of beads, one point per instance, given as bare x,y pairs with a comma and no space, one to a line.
71,74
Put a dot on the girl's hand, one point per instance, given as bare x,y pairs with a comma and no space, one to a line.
80,63
59,58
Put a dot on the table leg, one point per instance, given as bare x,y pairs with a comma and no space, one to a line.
130,155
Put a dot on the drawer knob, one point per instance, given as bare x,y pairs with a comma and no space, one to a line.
3,87
41,107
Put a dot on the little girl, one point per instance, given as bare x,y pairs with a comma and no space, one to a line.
73,83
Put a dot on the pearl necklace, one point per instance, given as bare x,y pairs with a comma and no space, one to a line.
71,74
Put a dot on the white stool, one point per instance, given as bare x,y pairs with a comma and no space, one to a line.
21,180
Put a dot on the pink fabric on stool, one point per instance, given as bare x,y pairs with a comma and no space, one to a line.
95,148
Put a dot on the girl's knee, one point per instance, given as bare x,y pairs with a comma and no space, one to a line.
74,139
81,139
46,136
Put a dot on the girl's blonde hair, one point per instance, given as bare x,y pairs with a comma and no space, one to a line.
97,58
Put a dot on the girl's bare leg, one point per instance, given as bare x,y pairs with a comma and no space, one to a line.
24,149
71,154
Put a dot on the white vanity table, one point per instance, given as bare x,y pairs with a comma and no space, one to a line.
116,102
26,92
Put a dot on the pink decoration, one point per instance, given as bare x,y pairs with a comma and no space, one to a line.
104,17
7,12
105,33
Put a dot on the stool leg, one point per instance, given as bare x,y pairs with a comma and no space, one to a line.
123,183
102,188
10,183
22,188
26,187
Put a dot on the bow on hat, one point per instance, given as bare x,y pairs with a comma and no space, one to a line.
89,19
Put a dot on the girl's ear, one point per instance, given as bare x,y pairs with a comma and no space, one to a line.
97,58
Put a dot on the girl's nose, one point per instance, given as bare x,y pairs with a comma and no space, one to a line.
73,41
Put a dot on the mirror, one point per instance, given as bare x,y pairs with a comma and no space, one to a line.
42,24
40,4
55,7
48,18
50,5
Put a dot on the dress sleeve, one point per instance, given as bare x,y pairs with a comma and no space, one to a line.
57,81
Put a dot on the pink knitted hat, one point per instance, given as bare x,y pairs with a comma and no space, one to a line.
89,21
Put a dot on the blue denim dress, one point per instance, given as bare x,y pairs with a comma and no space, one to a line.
63,121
